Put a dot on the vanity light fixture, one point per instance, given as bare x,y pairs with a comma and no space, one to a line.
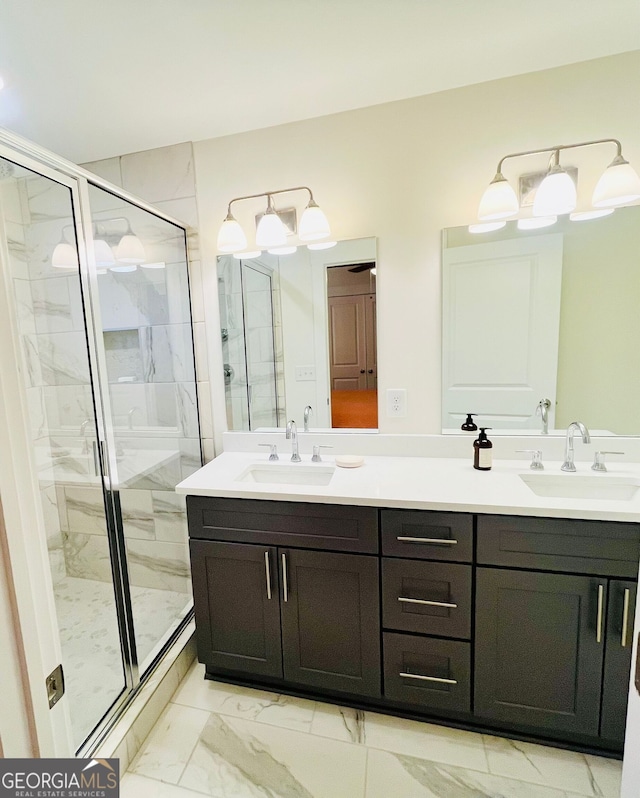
130,250
103,253
271,233
65,255
618,185
536,222
585,216
114,250
486,227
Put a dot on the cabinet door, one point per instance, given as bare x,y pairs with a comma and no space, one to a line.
235,592
539,649
620,615
331,620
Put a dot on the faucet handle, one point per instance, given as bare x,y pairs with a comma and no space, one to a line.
536,458
316,452
273,450
598,461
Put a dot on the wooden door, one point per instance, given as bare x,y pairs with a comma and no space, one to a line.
347,343
538,661
371,341
617,669
235,591
500,347
330,621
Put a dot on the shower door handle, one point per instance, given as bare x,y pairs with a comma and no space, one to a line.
96,459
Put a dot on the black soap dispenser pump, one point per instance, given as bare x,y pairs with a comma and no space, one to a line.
469,425
482,447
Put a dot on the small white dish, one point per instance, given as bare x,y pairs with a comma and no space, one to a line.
349,460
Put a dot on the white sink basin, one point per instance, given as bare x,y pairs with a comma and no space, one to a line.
294,474
582,486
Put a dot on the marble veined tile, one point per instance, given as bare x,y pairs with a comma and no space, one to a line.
539,764
426,741
137,514
242,702
339,723
155,564
135,786
235,757
606,774
167,749
401,776
163,173
170,516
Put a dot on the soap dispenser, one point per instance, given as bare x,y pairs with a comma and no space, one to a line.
469,425
482,447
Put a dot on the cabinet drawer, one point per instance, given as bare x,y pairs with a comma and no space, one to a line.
426,672
426,597
606,548
310,526
425,535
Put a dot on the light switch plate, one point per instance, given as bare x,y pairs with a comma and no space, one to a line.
305,373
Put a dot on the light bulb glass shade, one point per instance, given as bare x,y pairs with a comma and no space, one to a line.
314,225
282,250
618,185
103,253
556,194
130,250
322,245
585,216
486,227
124,267
157,265
499,200
270,232
64,256
231,237
536,222
254,253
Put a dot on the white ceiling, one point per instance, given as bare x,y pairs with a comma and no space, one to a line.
94,78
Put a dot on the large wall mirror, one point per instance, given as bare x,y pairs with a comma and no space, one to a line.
548,316
298,331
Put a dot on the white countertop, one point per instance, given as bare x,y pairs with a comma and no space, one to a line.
426,483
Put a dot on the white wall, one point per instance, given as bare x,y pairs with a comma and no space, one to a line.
403,171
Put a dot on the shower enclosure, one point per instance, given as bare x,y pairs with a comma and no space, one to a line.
102,321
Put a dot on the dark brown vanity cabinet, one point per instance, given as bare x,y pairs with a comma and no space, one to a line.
553,650
308,617
515,623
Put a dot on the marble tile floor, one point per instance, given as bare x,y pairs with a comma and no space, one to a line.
91,644
224,741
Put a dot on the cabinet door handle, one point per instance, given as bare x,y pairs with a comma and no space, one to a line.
267,572
448,604
427,678
285,581
600,613
625,617
444,541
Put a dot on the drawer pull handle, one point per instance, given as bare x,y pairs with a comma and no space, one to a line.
267,573
447,604
285,580
600,613
625,618
437,541
427,678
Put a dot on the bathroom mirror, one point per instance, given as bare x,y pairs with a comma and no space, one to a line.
543,315
299,330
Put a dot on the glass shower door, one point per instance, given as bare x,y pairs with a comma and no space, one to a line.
37,219
145,312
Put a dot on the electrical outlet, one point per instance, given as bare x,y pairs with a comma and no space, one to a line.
305,373
396,402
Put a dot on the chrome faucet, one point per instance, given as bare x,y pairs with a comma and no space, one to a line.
307,414
568,464
542,410
83,434
292,435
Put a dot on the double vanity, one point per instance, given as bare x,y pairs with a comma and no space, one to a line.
418,586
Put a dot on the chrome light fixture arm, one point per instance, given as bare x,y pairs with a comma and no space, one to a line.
556,150
268,195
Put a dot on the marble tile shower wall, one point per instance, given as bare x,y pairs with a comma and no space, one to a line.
33,309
